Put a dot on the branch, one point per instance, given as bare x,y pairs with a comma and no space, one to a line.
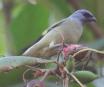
77,51
7,10
75,4
11,62
97,31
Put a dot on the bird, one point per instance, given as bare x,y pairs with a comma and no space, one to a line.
69,29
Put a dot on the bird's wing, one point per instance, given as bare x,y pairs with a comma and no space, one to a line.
45,32
49,29
53,26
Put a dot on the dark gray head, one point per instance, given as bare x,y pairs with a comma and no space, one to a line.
84,15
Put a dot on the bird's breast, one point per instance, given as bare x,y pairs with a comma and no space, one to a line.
72,31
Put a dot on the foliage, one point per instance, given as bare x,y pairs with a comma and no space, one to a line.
29,20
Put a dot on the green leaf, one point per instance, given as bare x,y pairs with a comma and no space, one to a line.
28,25
70,63
85,76
12,78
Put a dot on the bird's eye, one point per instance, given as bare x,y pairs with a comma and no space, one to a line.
87,15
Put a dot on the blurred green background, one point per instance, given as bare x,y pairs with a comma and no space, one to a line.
23,21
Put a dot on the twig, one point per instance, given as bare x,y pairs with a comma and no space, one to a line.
87,57
87,49
70,74
24,73
45,75
81,85
65,82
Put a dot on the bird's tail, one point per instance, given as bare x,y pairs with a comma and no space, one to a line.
33,50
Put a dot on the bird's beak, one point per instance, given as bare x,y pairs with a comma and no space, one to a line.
92,19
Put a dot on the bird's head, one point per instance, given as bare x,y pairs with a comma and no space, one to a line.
84,15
